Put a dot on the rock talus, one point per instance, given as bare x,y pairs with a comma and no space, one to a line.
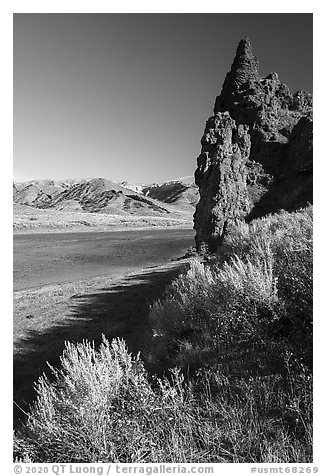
256,155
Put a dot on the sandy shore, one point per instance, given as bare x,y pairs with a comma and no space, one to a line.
44,318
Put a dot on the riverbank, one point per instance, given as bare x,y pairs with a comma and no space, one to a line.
30,220
228,347
46,317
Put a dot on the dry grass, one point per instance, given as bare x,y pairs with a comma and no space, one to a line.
240,329
262,293
33,220
102,407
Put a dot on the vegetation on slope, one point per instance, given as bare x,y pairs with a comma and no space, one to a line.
46,205
70,219
238,332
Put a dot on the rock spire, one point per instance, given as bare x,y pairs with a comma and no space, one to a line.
256,154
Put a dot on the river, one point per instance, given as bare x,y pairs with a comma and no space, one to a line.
52,258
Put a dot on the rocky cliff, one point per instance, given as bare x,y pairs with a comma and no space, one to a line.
256,155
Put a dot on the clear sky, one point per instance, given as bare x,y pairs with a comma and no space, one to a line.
126,96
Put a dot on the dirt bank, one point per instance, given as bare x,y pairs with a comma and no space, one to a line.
45,318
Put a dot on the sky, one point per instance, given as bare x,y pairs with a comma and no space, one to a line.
126,96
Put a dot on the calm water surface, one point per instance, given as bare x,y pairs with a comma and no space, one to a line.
42,259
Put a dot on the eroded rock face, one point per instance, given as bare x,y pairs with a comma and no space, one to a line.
221,177
259,140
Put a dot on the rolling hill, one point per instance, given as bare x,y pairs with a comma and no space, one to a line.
35,201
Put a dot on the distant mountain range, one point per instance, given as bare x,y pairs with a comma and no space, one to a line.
99,195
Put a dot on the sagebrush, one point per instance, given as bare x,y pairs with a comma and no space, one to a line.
237,332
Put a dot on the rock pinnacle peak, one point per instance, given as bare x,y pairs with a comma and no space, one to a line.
244,47
254,151
244,69
245,64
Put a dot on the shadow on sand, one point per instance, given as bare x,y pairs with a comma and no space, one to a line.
121,310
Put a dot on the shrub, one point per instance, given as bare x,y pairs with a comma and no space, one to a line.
259,296
239,326
101,407
280,231
289,237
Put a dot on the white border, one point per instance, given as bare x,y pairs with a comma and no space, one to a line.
96,6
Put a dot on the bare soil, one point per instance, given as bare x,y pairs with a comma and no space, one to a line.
115,304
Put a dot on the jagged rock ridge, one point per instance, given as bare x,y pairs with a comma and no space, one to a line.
256,155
